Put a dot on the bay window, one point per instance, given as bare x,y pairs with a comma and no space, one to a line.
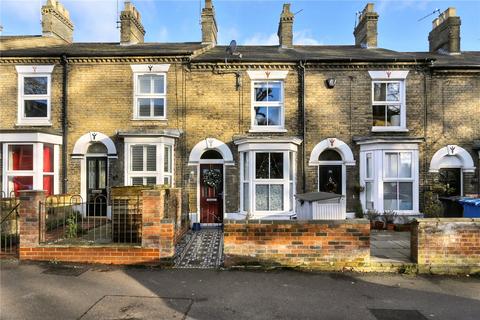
148,162
267,182
34,95
389,174
30,166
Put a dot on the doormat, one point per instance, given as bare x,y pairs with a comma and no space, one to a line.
65,270
395,314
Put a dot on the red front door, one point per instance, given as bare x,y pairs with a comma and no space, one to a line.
211,193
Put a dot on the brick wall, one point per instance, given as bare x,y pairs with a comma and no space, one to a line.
446,245
159,235
326,245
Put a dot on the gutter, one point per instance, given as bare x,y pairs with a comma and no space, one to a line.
64,62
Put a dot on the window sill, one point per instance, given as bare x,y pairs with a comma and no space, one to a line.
389,129
149,119
269,130
34,124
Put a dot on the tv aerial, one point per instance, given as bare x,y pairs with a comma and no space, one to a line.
430,14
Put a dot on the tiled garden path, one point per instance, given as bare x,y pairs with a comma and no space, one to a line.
200,249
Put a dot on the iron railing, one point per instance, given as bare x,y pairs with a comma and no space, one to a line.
68,219
9,235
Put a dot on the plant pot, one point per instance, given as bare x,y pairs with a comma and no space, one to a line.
390,226
196,226
378,225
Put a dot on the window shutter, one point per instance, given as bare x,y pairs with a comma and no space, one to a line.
151,158
137,158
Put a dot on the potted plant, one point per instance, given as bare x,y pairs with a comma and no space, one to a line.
390,216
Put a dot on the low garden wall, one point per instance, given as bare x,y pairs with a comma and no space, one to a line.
446,245
316,244
160,231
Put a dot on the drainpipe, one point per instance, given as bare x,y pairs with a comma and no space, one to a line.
64,120
301,67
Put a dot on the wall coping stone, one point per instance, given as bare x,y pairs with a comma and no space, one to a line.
445,220
330,222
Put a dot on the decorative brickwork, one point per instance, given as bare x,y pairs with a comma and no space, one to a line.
446,245
326,245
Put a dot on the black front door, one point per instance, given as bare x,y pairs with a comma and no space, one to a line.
330,178
97,186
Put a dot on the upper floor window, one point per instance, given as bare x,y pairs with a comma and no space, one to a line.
268,110
150,92
150,96
268,104
34,95
388,100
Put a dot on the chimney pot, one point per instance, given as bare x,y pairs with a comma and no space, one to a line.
445,34
56,21
285,27
131,28
365,31
209,24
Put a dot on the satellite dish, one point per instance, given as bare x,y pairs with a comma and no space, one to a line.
232,47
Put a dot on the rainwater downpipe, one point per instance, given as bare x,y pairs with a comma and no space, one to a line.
64,62
303,125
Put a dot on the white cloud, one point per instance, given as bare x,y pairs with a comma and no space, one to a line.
301,37
227,35
262,39
304,37
94,20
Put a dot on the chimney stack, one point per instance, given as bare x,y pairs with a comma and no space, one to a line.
209,24
366,30
285,27
131,28
445,34
56,21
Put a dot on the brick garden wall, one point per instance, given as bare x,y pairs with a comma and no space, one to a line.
159,235
446,245
325,245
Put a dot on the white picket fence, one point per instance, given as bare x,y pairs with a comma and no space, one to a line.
322,210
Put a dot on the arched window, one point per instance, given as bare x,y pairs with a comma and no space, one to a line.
97,147
211,154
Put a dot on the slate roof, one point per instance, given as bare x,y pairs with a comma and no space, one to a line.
254,53
308,53
86,49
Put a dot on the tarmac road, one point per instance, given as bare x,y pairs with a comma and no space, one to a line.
49,291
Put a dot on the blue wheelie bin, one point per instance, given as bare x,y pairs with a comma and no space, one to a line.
471,207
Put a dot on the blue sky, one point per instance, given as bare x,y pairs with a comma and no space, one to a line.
251,22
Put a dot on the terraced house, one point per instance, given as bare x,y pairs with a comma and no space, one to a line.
242,129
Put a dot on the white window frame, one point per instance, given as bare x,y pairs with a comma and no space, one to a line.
34,71
144,69
390,77
378,152
159,174
268,104
37,170
288,182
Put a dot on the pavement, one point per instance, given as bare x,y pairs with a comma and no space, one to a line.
52,291
390,246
